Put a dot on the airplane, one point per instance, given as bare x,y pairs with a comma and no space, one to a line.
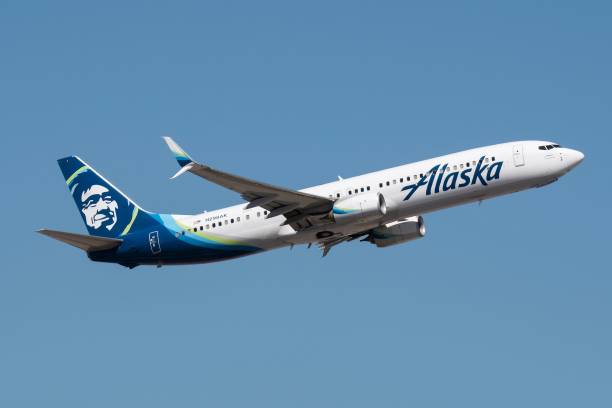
383,208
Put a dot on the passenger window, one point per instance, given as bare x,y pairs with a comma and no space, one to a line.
356,190
467,164
232,220
226,222
388,184
214,225
195,229
368,188
455,167
207,226
248,217
493,158
237,219
401,179
338,195
473,162
201,228
350,192
394,181
421,175
461,165
362,189
487,160
258,213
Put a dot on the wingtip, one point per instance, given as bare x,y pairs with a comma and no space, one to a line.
180,155
182,170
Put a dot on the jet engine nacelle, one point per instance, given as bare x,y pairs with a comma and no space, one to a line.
360,208
397,232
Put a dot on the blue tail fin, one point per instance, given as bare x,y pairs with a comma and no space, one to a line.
106,211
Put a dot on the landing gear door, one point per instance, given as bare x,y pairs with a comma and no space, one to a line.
518,156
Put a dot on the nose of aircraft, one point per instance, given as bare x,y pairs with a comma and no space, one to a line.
574,158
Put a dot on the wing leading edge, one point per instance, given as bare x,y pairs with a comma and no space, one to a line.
301,210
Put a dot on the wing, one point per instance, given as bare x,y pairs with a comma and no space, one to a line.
301,210
87,243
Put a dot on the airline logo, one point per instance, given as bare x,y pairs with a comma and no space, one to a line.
439,179
105,211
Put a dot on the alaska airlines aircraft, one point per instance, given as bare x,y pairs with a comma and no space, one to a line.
383,208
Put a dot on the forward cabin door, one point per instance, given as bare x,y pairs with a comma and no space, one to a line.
518,156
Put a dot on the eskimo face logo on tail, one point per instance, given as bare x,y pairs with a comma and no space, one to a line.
105,211
482,174
99,207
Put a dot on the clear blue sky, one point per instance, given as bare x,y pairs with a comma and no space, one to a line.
507,304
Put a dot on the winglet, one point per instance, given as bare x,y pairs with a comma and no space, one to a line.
181,156
182,170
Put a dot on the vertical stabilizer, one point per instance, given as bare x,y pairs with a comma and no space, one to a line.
105,210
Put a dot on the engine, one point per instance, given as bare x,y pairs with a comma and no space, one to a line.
360,208
397,232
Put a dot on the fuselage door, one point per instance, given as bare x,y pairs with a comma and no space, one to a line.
518,156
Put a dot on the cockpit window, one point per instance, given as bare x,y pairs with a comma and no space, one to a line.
549,147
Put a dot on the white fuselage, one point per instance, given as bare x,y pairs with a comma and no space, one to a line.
511,167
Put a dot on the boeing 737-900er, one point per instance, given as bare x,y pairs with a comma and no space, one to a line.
383,208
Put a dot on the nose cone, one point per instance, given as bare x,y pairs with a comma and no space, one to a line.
574,158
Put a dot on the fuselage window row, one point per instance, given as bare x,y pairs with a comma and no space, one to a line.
351,191
447,170
381,185
226,222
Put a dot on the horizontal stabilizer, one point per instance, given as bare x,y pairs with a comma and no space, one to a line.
85,242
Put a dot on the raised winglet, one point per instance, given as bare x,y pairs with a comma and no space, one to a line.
181,155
